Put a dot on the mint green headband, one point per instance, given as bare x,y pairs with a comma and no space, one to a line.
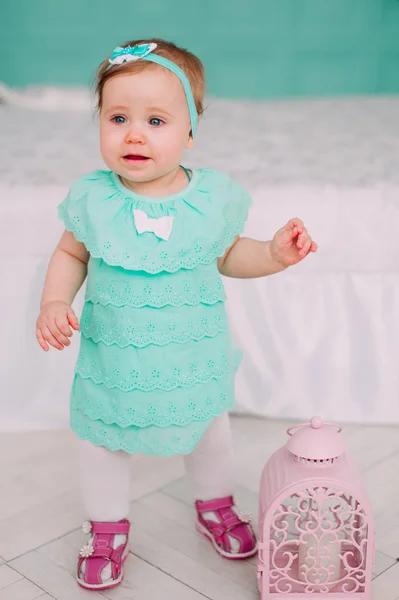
145,52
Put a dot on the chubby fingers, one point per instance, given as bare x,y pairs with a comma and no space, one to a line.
293,229
73,319
47,335
304,242
42,342
55,333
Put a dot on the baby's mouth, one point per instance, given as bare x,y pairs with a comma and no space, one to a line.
135,157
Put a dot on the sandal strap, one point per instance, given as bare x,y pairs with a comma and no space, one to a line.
108,553
121,527
214,505
225,526
231,522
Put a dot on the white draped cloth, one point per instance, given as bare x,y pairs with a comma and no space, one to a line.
323,336
320,338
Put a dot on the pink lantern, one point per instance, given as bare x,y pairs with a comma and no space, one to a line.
316,530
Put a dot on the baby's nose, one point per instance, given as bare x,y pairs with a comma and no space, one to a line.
135,134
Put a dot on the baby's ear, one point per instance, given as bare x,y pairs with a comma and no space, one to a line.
190,142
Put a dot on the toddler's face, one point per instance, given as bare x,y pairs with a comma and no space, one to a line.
144,124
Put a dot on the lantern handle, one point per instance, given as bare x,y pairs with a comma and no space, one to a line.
315,423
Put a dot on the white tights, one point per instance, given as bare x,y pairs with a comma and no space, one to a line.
105,474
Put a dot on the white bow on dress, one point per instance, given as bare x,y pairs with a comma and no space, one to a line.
161,227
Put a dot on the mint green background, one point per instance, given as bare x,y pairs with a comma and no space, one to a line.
251,48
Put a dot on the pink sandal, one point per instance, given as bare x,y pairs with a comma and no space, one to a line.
231,534
100,564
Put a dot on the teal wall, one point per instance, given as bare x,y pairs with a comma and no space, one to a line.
251,48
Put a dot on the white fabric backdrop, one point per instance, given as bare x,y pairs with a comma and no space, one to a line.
321,338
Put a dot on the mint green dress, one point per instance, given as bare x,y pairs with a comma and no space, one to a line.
156,361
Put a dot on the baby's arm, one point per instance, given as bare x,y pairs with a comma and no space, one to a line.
248,258
65,275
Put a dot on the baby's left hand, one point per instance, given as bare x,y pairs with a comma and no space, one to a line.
292,243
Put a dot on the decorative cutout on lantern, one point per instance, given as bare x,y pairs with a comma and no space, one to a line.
316,532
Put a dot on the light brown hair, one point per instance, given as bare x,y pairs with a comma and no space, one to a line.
188,63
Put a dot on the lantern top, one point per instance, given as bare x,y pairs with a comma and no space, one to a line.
316,441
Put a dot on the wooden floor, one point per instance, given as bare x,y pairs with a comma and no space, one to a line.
40,518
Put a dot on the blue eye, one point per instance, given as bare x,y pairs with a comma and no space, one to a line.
156,122
119,119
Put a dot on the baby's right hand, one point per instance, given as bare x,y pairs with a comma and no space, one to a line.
54,324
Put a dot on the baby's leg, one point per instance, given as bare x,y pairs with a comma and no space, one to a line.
210,466
105,483
210,471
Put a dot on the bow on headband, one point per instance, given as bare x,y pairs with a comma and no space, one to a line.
121,55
